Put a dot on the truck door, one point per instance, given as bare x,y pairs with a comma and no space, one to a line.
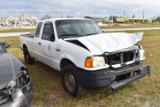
47,39
36,42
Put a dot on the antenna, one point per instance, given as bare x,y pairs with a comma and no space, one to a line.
61,9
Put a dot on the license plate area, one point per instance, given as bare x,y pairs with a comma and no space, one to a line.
127,75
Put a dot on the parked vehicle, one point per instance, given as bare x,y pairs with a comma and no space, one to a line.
15,81
86,57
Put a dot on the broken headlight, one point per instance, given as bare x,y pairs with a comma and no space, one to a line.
13,86
22,79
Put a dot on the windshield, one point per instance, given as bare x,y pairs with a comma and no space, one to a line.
76,28
2,50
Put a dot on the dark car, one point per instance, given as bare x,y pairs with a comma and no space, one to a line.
15,81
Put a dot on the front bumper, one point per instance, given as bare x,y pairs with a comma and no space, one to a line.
22,98
103,78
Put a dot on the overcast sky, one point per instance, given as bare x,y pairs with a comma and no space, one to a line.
80,8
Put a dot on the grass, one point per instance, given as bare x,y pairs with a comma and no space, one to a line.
142,93
11,30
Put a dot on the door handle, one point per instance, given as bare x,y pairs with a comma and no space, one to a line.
39,43
58,49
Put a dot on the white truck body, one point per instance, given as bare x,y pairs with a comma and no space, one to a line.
104,51
97,44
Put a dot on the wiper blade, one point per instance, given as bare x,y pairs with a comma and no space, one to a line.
70,35
91,34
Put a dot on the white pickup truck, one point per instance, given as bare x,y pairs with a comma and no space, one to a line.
86,57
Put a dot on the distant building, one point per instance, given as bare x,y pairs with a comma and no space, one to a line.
107,20
101,21
133,20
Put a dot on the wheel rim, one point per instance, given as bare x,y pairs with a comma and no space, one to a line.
69,81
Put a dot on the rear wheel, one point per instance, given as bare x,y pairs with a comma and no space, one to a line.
28,59
70,81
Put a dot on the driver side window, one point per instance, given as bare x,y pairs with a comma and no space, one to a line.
48,32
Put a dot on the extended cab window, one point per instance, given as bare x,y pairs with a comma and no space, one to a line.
48,33
38,29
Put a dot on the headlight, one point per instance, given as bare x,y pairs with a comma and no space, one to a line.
141,55
22,79
96,61
6,93
12,87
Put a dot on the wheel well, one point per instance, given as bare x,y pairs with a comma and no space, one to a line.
65,62
24,47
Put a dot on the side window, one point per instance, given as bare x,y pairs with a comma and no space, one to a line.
48,33
38,29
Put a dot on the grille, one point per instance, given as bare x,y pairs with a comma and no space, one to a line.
121,58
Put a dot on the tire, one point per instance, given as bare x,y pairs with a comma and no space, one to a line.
70,81
28,59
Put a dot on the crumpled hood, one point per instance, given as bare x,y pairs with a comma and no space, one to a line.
109,42
9,68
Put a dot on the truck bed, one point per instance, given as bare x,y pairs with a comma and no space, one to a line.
27,35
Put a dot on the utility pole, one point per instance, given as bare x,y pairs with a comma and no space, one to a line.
112,19
124,15
143,16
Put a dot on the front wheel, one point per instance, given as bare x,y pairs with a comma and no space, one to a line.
70,81
28,59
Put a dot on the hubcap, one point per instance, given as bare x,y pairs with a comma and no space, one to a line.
69,81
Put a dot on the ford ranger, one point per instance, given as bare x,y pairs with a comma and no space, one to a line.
86,57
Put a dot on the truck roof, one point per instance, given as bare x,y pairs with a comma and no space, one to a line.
55,19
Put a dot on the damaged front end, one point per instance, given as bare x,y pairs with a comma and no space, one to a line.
122,67
125,57
130,57
18,92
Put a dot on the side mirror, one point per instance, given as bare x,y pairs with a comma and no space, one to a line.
52,38
5,44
